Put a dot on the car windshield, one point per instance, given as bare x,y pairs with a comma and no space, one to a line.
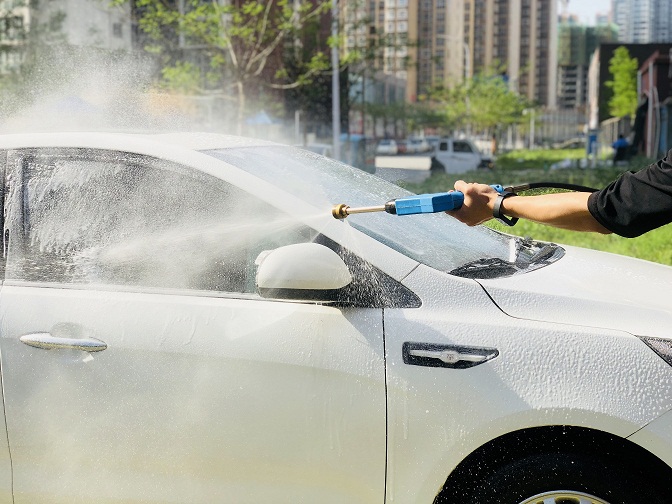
437,240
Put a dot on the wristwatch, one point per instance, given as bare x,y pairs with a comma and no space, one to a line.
497,209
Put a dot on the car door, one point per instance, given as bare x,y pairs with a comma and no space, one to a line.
465,155
452,160
140,365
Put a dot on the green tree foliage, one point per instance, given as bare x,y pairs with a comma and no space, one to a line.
239,45
623,70
483,102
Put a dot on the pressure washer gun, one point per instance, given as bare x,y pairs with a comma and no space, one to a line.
442,202
417,204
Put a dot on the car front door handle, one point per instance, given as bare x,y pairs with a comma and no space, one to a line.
46,341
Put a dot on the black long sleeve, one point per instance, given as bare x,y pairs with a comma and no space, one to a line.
636,202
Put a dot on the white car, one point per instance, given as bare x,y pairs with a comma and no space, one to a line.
418,145
387,147
460,155
184,320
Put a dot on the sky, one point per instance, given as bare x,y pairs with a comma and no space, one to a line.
586,9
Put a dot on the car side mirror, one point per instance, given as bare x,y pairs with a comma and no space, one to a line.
307,271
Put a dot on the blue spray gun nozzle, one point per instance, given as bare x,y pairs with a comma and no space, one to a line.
410,205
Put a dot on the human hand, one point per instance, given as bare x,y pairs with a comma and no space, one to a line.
479,200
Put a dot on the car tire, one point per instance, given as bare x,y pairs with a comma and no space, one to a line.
567,478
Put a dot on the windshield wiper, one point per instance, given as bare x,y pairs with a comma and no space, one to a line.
491,267
530,255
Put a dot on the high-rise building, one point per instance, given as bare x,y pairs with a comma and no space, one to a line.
520,36
576,44
643,21
445,41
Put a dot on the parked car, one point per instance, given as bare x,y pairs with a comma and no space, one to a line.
460,155
183,320
418,145
387,147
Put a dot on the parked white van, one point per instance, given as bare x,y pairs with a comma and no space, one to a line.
460,155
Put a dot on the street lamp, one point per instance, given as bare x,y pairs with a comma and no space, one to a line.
335,84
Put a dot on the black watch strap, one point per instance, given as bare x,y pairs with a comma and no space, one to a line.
497,209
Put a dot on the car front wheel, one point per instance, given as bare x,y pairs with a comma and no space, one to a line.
567,478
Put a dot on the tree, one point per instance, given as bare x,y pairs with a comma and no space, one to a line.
492,103
483,102
232,46
623,70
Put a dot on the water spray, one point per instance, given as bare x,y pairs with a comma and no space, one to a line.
442,202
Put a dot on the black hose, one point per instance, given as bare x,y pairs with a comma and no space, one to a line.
550,185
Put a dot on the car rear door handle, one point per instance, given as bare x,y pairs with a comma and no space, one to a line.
46,341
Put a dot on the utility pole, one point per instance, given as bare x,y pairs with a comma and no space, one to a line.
335,84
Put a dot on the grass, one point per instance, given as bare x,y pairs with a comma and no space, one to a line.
534,166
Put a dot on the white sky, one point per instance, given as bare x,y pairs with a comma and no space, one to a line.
586,9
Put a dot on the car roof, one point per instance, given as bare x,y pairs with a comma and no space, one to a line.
128,141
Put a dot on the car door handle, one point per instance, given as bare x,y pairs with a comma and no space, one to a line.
46,341
448,356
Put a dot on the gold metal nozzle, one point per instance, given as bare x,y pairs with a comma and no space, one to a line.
340,211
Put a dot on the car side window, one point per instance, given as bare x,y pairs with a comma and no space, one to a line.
83,217
462,147
443,146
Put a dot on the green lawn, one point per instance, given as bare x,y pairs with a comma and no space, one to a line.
534,166
654,246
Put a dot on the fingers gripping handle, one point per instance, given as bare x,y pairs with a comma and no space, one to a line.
433,203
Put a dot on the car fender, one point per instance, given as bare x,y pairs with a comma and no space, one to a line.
544,374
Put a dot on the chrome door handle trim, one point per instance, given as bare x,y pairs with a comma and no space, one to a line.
46,341
448,356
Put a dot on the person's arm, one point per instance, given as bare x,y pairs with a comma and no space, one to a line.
563,210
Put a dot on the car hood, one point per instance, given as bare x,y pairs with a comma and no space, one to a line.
591,288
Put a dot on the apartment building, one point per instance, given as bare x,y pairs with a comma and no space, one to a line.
459,38
83,23
521,36
643,21
15,20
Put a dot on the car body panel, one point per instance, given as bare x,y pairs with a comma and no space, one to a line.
438,416
656,437
5,467
592,288
196,399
